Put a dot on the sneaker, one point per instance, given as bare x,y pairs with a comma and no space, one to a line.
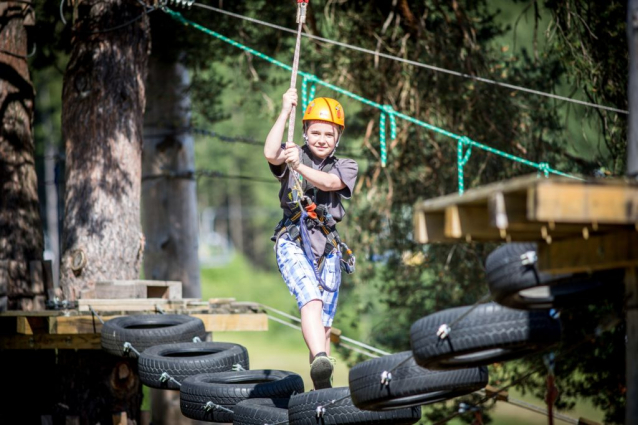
321,372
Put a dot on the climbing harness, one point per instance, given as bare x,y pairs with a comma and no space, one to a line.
311,213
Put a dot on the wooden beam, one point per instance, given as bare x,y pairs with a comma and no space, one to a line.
429,227
508,210
583,203
610,251
138,304
469,223
44,341
213,322
234,322
118,289
32,325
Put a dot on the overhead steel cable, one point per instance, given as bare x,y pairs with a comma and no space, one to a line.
415,63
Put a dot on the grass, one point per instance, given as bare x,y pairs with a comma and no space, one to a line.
283,348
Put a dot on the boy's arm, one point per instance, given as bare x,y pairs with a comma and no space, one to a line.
323,181
272,148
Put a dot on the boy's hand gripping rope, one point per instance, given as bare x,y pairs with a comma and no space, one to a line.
301,19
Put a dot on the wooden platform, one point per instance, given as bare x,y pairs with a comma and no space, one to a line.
80,329
579,222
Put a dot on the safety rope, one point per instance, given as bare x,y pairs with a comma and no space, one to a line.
391,114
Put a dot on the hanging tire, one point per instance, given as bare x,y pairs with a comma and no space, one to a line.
517,285
410,385
186,359
226,389
260,411
144,331
490,333
302,410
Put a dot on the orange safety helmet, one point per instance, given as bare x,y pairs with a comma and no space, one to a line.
325,109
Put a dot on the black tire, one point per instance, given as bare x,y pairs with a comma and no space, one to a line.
517,285
411,385
186,359
144,331
302,410
260,411
226,389
490,333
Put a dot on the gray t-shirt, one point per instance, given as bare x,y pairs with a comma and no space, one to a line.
344,168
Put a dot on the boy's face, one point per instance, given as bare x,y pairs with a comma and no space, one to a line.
322,138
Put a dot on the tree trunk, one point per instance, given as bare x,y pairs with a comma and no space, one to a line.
21,238
169,198
102,108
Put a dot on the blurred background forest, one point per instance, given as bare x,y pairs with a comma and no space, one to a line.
574,48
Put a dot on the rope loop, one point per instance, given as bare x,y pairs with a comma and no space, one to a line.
305,97
544,167
384,154
393,122
462,158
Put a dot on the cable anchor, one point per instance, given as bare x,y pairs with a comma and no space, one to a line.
529,258
386,377
128,347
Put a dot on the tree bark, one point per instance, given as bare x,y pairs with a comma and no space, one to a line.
169,198
21,237
103,103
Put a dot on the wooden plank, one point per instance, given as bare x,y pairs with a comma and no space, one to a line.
477,195
45,341
32,325
429,227
469,222
72,325
507,210
571,203
234,322
118,289
141,304
609,251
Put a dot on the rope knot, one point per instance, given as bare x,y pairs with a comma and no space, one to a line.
544,167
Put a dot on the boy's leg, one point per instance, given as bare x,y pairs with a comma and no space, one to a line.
312,328
327,333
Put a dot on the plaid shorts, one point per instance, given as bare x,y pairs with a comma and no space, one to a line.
301,280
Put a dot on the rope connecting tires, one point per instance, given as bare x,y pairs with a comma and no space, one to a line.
409,384
225,389
490,333
187,359
303,410
515,282
144,331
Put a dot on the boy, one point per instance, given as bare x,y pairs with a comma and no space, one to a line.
325,180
